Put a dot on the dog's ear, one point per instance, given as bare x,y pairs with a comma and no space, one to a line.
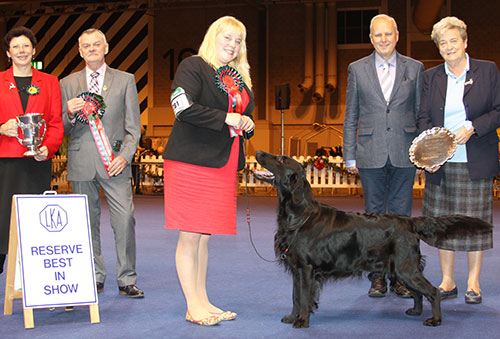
298,189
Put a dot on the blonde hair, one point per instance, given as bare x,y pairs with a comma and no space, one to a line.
448,23
208,53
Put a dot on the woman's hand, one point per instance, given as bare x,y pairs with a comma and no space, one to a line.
247,124
432,169
9,128
42,153
240,121
463,135
233,119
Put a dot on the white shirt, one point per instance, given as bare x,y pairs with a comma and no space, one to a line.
380,65
455,116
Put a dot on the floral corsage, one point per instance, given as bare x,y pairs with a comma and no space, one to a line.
32,90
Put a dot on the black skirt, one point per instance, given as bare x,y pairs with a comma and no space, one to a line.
19,176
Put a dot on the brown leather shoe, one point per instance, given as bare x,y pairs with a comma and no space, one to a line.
378,288
131,291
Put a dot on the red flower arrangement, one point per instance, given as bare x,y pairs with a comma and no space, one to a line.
319,163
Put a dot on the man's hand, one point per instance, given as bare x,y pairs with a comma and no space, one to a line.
352,170
73,106
117,166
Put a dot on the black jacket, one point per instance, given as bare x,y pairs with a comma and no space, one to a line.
199,135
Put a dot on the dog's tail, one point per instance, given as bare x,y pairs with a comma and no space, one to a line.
434,230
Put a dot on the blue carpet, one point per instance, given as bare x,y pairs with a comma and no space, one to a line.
260,292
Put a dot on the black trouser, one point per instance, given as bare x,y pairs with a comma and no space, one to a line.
2,260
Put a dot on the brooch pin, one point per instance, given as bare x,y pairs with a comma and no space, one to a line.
117,145
33,90
11,86
470,82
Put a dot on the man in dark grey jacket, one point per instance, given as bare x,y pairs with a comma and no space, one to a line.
382,101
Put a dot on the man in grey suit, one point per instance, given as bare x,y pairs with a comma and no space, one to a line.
86,164
382,100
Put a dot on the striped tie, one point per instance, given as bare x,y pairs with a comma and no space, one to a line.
385,82
94,85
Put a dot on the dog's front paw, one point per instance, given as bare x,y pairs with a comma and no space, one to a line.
288,319
301,323
432,322
413,311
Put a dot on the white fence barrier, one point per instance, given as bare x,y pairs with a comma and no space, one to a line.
151,170
332,176
59,172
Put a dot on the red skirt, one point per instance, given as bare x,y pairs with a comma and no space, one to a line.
201,199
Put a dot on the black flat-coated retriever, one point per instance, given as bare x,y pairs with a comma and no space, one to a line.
317,242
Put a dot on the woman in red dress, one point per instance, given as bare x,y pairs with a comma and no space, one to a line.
212,102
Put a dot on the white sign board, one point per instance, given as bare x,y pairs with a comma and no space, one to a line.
55,244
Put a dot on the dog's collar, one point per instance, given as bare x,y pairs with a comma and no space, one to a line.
284,253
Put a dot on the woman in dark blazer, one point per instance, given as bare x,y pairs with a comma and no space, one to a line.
463,95
23,90
212,101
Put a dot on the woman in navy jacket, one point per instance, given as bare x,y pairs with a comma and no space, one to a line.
463,95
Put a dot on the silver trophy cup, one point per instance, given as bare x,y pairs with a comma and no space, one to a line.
30,125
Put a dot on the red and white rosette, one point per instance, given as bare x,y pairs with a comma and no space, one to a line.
91,114
229,82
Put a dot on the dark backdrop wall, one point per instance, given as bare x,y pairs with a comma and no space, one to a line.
149,38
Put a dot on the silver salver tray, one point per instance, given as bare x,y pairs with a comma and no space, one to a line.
433,147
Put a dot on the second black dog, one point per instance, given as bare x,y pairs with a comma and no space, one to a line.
318,242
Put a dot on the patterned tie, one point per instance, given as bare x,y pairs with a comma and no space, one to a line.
94,85
385,82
